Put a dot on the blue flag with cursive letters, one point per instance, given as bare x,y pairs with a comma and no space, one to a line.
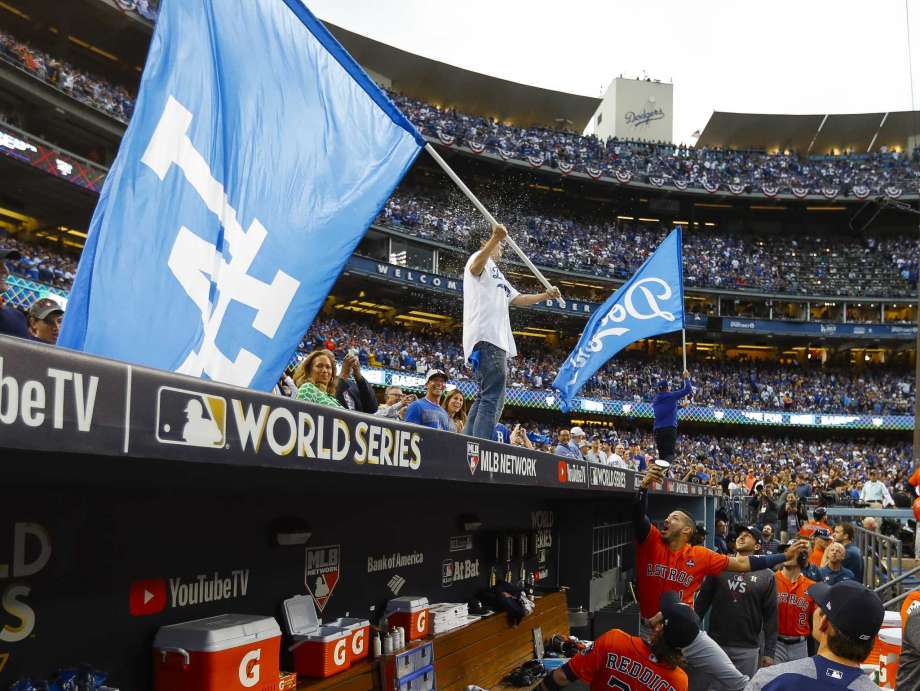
648,304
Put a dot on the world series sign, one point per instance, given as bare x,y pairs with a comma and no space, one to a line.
53,398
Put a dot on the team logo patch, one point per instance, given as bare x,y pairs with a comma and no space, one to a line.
323,568
472,456
834,673
691,563
191,418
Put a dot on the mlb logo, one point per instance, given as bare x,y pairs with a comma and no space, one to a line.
447,572
472,456
191,418
834,673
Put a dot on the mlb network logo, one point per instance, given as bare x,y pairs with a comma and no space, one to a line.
191,418
472,456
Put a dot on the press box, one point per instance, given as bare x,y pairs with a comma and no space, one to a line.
229,652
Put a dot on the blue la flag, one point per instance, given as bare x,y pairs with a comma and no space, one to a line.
649,303
258,154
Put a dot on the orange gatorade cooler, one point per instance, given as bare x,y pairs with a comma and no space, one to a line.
892,620
319,651
411,613
888,657
359,631
230,652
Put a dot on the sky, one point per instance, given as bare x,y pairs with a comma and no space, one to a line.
783,56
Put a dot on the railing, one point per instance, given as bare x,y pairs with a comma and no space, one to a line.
609,542
882,558
898,583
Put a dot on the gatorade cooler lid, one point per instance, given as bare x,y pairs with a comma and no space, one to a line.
891,619
349,623
214,634
407,603
300,615
891,636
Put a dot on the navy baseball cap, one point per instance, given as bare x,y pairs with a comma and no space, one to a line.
681,625
820,512
853,609
663,384
754,532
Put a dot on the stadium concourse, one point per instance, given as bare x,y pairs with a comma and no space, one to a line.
801,357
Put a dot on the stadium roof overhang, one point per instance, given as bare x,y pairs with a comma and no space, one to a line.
467,91
811,134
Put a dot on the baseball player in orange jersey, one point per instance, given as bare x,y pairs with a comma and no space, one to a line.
619,661
794,607
665,561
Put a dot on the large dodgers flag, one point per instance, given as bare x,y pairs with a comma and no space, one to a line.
258,154
649,303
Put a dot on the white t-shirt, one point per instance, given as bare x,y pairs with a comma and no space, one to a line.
485,309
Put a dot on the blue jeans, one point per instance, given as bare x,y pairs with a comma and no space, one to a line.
491,375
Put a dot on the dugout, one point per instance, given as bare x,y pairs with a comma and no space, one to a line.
134,499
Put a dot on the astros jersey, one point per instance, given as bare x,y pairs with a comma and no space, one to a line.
911,604
620,661
809,528
659,569
793,605
816,557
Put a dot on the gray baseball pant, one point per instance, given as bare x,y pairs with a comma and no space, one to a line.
705,659
745,660
787,652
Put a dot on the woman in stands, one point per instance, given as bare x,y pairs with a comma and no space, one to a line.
315,379
453,402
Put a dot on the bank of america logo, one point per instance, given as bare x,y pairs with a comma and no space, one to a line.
191,418
396,584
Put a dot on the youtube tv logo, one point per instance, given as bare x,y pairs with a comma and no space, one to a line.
147,597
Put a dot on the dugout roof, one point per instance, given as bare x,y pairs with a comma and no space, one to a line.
812,134
467,91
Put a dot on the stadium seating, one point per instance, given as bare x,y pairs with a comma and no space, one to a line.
817,265
633,377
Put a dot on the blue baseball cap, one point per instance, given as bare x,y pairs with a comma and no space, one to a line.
853,609
663,384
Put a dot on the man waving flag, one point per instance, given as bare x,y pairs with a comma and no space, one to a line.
258,154
649,303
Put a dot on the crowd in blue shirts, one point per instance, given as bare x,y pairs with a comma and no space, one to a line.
631,376
576,240
855,174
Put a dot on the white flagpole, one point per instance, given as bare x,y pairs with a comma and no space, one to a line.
489,217
683,336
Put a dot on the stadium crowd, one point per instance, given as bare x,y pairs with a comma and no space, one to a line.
688,166
81,85
816,265
872,174
631,377
39,263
